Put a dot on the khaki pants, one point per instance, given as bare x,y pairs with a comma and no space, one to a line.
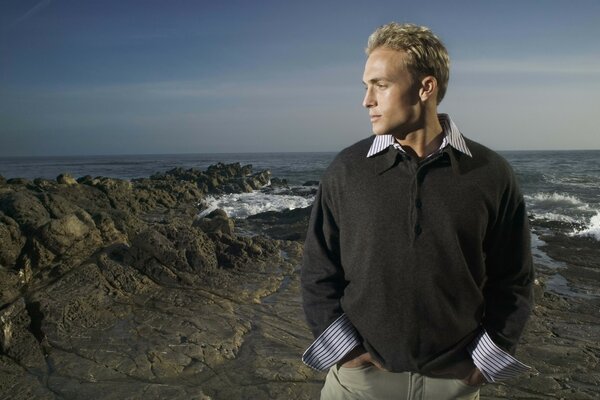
370,383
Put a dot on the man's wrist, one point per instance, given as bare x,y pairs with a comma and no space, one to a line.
475,378
352,354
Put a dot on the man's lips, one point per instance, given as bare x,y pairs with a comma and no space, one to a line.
374,117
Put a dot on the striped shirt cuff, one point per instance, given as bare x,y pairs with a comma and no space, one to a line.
332,345
493,362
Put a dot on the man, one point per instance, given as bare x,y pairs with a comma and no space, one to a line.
417,270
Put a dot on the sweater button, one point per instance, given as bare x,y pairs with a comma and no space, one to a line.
418,229
418,203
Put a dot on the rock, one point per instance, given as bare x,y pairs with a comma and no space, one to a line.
239,186
539,287
19,326
284,217
66,199
118,192
111,287
109,232
311,183
74,234
88,180
240,252
172,254
44,184
226,170
59,206
11,239
246,170
217,213
66,179
216,222
304,191
11,283
37,255
25,208
285,225
277,182
18,181
170,174
218,178
148,194
260,179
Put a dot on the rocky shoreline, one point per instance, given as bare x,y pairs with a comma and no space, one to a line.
116,289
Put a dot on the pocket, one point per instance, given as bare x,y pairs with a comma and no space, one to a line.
464,389
357,379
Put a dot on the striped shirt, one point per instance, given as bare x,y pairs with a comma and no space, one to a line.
452,136
341,336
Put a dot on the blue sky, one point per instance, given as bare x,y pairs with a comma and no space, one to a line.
84,77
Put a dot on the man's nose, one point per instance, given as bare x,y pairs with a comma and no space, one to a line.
369,100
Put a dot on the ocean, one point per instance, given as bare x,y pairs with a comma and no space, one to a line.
562,186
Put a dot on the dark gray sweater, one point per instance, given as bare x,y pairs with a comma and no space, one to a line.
420,255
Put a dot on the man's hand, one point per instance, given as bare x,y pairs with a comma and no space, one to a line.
475,378
357,357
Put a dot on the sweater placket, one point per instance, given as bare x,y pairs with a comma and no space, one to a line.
417,172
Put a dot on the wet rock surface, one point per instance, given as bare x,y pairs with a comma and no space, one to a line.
113,289
562,339
285,225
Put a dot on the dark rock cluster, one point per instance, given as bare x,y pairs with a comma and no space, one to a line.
47,227
218,178
105,280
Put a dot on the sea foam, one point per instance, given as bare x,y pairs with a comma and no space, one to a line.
551,216
592,229
554,199
242,205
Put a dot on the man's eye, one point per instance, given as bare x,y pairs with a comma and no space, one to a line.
381,85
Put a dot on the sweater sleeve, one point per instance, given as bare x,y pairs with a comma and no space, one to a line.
508,289
322,275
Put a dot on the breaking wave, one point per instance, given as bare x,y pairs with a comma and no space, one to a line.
551,200
242,205
592,229
550,216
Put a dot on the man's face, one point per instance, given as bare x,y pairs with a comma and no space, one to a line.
392,95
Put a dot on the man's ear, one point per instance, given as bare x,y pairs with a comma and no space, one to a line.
428,88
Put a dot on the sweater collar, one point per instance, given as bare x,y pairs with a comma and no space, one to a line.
452,137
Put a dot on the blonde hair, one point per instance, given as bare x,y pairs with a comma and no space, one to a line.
426,52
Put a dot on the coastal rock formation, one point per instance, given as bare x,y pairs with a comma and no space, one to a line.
285,225
218,178
111,284
216,222
12,240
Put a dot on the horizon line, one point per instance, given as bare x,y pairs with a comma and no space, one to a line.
248,152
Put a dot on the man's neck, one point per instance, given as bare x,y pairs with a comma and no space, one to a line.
422,142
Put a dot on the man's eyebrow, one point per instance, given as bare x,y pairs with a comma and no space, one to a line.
374,80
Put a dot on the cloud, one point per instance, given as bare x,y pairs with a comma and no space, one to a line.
324,82
571,66
32,11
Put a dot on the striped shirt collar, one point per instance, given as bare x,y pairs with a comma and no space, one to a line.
452,136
